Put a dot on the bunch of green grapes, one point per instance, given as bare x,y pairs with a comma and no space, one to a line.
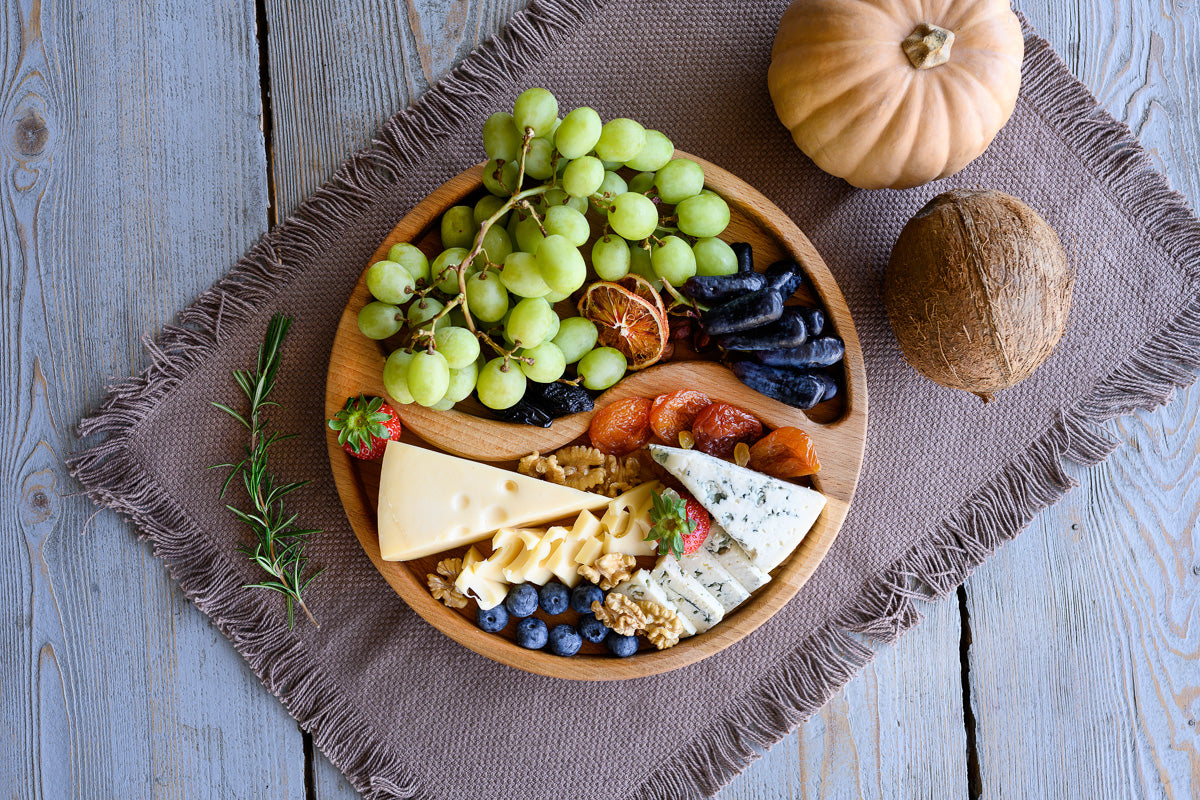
569,200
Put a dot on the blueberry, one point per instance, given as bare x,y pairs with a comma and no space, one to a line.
618,645
564,640
522,600
592,629
491,620
584,595
531,633
554,598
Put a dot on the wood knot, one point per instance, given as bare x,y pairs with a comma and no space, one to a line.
31,134
37,503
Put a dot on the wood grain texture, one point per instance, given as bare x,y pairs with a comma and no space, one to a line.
111,684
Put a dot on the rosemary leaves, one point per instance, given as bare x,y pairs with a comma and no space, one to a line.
278,547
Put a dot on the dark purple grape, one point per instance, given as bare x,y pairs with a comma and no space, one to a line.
719,288
743,313
745,256
559,399
824,351
524,413
796,388
814,319
785,277
787,331
831,387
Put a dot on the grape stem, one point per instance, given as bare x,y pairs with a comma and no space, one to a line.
432,322
678,299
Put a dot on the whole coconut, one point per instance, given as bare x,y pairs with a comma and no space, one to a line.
977,291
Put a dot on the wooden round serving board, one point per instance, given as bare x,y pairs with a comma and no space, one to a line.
838,428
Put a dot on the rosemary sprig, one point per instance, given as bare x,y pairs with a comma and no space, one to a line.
278,544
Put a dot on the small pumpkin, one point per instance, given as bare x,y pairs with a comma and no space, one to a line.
895,93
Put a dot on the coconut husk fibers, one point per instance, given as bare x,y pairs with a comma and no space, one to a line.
406,712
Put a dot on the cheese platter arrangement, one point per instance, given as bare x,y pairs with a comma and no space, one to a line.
597,407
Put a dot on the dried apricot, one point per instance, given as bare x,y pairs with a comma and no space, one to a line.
675,412
785,453
621,427
719,427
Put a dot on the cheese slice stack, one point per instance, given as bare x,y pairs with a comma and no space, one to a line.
766,516
429,501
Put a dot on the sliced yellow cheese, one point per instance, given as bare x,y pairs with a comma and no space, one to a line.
530,564
627,521
561,561
591,550
507,545
488,593
429,501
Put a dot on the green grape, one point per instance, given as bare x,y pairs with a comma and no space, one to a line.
501,140
654,155
610,258
530,322
445,404
555,323
552,134
520,275
578,133
633,216
639,264
486,296
487,206
620,140
673,260
395,376
423,310
379,320
575,337
602,367
390,282
457,345
500,385
612,166
557,297
496,247
561,264
462,382
557,197
642,182
539,161
529,235
448,282
714,257
535,108
613,185
548,365
412,259
428,377
500,179
704,215
456,318
568,223
458,227
680,179
583,176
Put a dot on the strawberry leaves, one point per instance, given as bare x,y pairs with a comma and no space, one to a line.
361,422
669,522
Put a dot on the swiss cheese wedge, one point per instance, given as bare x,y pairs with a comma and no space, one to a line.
429,501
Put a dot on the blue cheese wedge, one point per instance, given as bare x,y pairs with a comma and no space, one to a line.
766,516
702,566
640,586
690,598
730,555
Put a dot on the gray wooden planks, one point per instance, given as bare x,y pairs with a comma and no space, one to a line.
134,176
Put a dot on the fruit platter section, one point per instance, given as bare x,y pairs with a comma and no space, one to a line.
596,407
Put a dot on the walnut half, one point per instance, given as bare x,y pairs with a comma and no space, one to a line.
620,613
609,570
663,627
441,585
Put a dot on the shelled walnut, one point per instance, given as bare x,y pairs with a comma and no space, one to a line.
609,570
441,585
620,613
663,627
586,469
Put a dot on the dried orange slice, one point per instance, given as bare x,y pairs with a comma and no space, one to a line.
625,321
645,290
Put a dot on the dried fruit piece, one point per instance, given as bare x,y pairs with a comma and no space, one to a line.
741,454
645,290
719,427
785,453
675,412
621,427
624,321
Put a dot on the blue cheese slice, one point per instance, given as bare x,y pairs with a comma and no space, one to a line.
690,598
702,566
640,586
766,516
730,555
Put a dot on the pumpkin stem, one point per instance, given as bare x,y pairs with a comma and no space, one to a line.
928,46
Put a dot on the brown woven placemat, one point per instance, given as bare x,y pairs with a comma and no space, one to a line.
404,711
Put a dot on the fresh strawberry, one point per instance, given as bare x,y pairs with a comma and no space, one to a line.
679,523
365,426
